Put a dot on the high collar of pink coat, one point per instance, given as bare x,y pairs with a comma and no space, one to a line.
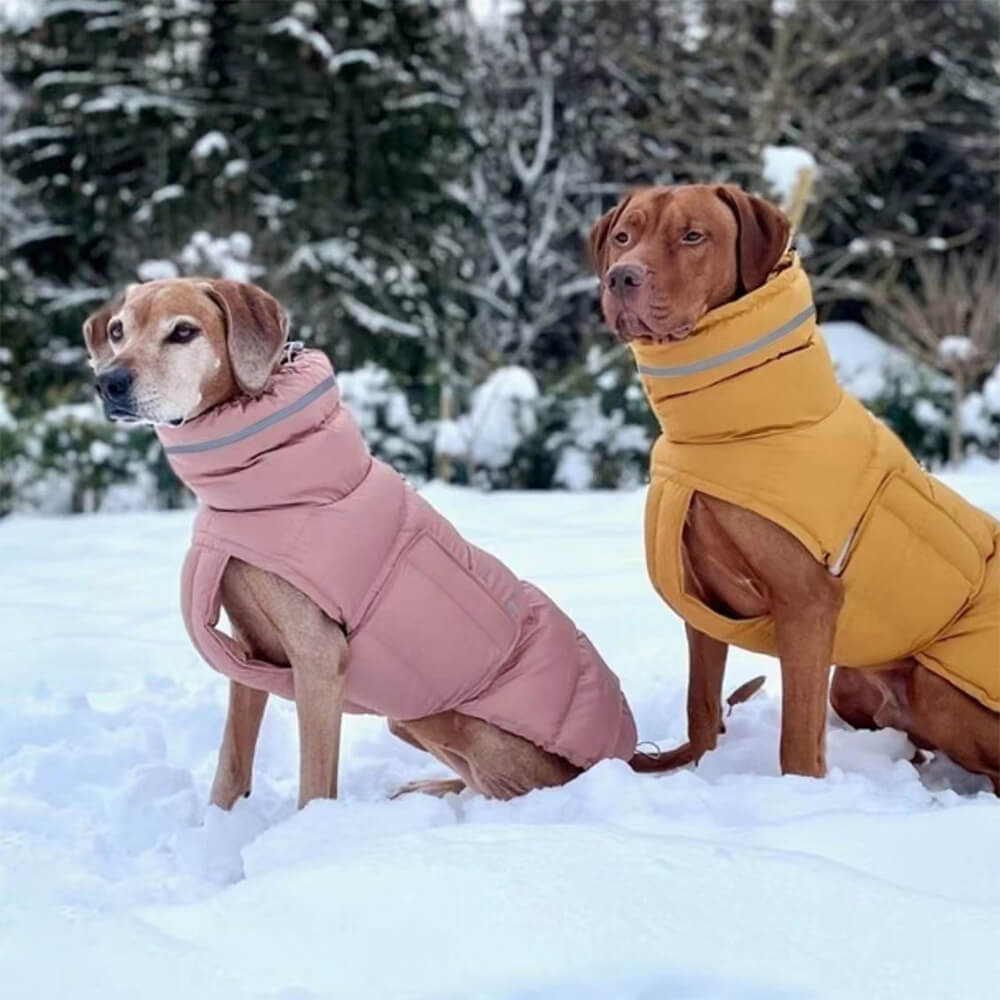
293,444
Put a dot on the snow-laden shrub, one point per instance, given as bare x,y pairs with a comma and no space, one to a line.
914,399
981,418
386,421
592,430
71,460
607,428
11,457
502,417
598,450
203,253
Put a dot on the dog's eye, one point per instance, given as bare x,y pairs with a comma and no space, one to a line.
692,236
115,332
182,333
621,237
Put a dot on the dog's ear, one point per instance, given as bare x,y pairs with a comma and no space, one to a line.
599,233
95,333
256,329
762,235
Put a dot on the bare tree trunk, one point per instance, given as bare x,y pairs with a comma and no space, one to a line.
443,461
958,395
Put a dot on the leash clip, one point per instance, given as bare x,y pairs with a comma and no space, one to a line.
291,351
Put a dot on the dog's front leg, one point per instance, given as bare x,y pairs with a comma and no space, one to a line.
706,669
234,772
805,625
804,601
320,673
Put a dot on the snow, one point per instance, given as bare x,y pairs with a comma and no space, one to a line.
575,470
926,414
991,392
377,322
956,349
133,101
865,362
225,256
37,133
352,57
336,253
725,881
169,192
782,167
491,13
974,418
293,27
37,234
156,270
235,168
383,414
210,144
20,15
501,416
589,436
7,421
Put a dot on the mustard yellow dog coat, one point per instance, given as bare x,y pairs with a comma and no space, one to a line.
752,413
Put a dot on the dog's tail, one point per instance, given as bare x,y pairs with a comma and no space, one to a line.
670,760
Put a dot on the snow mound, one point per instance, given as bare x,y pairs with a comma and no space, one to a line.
501,416
782,166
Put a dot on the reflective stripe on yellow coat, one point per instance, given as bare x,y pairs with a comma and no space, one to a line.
751,412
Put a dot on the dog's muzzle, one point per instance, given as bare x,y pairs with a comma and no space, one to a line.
114,386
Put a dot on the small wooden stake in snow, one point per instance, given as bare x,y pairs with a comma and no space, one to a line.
795,205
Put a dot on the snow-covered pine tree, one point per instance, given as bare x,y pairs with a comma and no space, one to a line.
93,145
364,157
81,70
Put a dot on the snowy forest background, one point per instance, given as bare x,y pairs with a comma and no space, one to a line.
415,181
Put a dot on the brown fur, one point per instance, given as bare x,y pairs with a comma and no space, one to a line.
668,282
737,562
237,334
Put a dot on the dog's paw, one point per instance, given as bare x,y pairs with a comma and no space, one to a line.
438,787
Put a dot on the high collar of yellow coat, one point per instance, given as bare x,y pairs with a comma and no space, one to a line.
721,382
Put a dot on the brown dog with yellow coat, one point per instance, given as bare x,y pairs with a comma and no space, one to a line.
782,517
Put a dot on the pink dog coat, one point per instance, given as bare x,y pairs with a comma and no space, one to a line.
286,484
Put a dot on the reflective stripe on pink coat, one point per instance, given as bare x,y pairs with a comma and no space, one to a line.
286,483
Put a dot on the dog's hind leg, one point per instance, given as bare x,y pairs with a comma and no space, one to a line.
489,760
438,787
933,713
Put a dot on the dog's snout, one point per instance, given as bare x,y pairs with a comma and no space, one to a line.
115,385
625,279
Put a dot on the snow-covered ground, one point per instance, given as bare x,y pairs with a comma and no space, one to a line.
724,882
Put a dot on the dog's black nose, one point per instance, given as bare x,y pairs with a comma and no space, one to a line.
625,279
114,385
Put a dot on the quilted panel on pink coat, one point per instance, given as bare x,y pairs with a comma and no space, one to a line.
434,623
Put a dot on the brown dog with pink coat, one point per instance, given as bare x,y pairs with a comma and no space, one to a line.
346,590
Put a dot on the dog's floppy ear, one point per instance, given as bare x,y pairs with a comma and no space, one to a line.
256,329
762,238
95,333
599,233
